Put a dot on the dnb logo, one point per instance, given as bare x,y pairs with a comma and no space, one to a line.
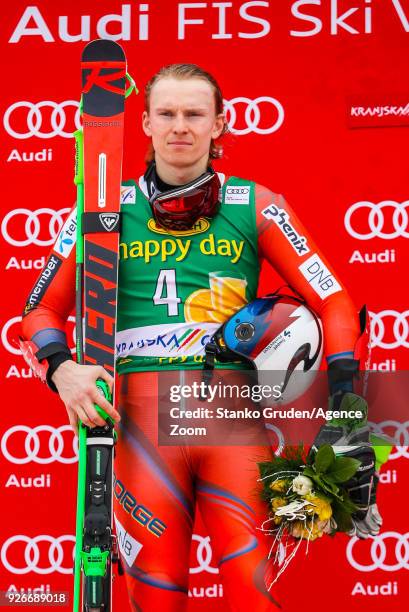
44,119
387,220
43,444
43,554
388,552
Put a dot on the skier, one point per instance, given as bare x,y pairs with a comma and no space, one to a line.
190,250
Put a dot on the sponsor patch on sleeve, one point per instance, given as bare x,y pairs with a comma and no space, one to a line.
67,236
319,277
237,194
282,219
128,194
43,282
128,546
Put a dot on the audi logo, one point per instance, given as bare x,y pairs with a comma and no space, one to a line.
280,437
400,436
252,115
22,124
376,557
33,118
204,556
14,350
33,444
400,329
33,553
375,220
238,190
55,555
25,225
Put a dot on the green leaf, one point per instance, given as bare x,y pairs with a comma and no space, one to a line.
329,485
308,472
341,516
348,504
343,468
324,458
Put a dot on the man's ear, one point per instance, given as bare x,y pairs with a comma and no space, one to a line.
218,126
146,124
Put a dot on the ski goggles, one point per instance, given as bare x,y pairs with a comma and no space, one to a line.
181,207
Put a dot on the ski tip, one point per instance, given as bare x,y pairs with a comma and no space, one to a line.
103,49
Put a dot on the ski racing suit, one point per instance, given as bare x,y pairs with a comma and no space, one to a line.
175,290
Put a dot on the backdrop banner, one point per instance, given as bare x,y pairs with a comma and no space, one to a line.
317,100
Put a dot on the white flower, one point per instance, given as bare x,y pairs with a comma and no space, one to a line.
294,510
302,485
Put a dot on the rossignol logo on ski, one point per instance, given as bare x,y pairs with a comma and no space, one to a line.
104,81
282,219
109,220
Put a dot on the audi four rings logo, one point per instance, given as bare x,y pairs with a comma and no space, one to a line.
48,119
400,436
36,447
204,556
376,557
21,227
399,332
33,554
22,125
252,115
280,437
56,554
14,350
372,223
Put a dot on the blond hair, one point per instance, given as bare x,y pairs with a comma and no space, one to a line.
188,71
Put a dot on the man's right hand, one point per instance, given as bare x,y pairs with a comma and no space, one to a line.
77,389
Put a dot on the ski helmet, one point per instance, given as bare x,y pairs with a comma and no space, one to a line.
277,335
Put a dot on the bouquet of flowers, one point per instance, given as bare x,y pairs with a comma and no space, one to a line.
306,497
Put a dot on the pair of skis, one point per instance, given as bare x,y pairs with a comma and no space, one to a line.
99,147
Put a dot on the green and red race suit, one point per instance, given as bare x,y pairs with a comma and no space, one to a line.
175,290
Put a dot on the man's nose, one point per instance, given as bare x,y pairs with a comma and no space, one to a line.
180,124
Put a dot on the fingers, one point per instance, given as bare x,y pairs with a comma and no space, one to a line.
93,415
103,403
106,376
85,418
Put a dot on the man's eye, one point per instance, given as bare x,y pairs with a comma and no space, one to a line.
165,113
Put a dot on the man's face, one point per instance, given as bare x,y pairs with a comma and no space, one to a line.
182,120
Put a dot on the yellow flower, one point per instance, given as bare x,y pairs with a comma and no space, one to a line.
276,503
321,507
299,529
279,485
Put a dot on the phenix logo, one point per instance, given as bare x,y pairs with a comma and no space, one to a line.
282,219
